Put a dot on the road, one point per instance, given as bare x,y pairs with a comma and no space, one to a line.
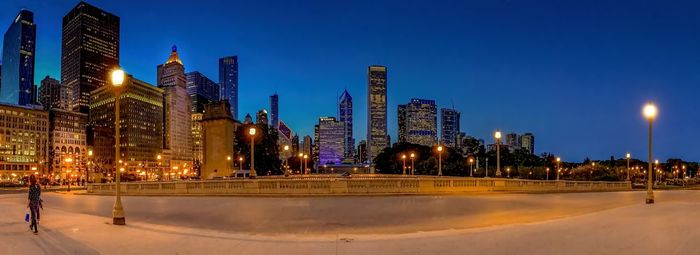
350,215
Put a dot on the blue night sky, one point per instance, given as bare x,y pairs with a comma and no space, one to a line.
576,74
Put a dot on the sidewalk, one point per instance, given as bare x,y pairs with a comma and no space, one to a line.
662,228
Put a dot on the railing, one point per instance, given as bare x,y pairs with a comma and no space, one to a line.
354,186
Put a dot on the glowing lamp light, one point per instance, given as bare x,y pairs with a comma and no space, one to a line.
439,148
650,111
497,135
251,131
118,77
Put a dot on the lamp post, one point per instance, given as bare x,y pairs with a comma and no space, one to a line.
471,167
508,171
118,210
228,165
413,169
650,113
547,174
286,149
403,157
160,168
251,131
240,164
306,168
497,135
301,163
558,168
439,149
90,165
628,165
68,171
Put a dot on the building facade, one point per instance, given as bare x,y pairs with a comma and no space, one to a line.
449,127
197,142
89,52
141,117
228,82
261,117
202,90
345,116
331,144
18,53
177,118
23,141
527,142
51,94
307,145
377,138
218,129
67,140
418,122
275,110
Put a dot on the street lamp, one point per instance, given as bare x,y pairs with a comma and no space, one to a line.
650,113
301,163
547,174
90,165
628,165
413,169
439,149
228,165
306,168
251,131
286,167
508,171
497,135
471,167
558,168
240,164
118,210
403,157
68,171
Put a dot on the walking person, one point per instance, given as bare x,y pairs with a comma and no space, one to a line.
34,203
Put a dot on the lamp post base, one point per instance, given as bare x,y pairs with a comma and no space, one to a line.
119,221
650,198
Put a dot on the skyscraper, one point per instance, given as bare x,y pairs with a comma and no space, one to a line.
295,144
527,142
512,141
202,90
376,111
177,118
228,82
89,52
274,110
307,145
141,127
419,122
18,52
331,145
345,116
449,122
51,94
261,117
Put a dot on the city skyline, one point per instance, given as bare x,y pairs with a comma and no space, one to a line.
558,120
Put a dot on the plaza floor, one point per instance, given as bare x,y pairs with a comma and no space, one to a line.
572,223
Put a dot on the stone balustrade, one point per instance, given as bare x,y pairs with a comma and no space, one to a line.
354,186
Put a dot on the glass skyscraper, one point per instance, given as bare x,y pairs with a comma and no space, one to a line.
275,110
331,144
228,82
377,138
89,52
345,116
18,53
449,127
202,90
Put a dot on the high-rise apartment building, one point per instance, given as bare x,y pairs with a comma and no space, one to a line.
228,82
331,143
345,116
177,117
202,90
307,145
18,53
377,138
89,52
527,142
418,122
449,127
51,94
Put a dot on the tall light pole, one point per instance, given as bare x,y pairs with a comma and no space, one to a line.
439,149
286,149
228,163
160,168
240,164
413,169
306,168
251,131
497,135
301,163
90,165
650,113
508,171
471,167
118,77
628,165
403,157
547,174
558,168
68,171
